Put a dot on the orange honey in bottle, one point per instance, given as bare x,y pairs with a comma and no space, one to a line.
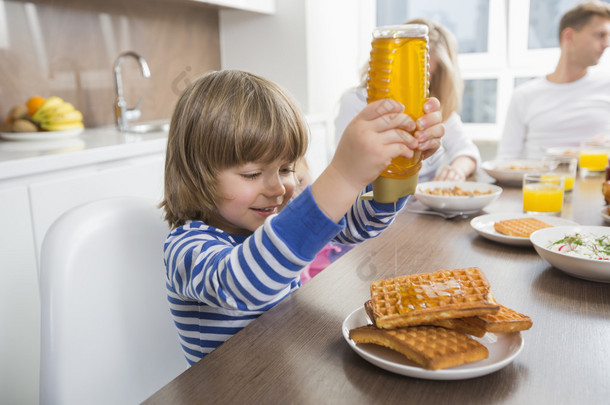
399,70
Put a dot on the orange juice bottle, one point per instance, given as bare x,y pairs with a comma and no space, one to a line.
399,70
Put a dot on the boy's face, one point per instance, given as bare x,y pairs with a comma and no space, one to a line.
590,42
252,192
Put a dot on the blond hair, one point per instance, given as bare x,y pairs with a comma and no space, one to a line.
580,15
225,119
446,82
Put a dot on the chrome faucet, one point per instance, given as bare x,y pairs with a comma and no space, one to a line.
124,115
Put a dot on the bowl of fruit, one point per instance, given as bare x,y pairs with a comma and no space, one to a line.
42,119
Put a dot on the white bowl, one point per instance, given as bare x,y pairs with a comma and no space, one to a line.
457,204
605,213
512,171
581,267
573,151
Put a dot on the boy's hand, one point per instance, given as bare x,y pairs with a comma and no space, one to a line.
430,129
379,133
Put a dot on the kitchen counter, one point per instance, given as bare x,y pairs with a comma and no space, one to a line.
24,158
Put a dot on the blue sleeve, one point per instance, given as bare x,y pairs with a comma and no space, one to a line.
304,227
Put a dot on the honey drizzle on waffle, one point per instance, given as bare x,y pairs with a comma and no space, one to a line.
427,295
400,301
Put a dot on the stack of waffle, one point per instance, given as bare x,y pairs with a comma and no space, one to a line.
428,317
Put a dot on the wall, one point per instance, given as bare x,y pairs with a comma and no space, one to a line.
68,47
313,48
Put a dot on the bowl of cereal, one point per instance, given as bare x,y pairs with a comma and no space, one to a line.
581,251
457,197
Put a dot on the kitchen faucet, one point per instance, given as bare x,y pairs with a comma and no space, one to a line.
124,114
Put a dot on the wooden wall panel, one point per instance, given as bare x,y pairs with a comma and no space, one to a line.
67,48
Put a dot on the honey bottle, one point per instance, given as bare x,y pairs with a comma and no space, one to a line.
399,70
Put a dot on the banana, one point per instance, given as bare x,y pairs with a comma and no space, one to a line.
62,108
58,115
60,118
62,126
50,104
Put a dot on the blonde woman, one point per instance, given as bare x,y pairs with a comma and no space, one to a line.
458,156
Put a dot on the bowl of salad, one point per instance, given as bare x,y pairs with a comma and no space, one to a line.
581,251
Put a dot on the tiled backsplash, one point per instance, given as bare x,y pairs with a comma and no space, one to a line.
67,48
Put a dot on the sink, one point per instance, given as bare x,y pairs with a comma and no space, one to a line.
148,127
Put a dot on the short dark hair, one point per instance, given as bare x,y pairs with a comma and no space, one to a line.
580,15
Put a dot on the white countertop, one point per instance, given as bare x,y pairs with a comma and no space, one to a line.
103,144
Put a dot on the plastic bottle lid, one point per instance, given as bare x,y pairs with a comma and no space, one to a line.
398,31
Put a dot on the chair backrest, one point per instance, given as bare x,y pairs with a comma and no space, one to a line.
107,333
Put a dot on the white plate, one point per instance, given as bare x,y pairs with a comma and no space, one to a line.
564,152
604,213
581,267
484,225
503,348
455,204
504,171
41,136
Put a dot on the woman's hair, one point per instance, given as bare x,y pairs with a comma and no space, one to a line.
225,119
580,15
446,82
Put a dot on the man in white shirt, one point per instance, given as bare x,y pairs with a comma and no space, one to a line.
571,104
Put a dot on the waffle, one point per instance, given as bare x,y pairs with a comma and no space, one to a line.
506,320
431,347
523,227
457,324
422,298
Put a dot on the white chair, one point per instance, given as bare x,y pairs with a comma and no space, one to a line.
107,333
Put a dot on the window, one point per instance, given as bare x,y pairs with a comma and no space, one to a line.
503,43
479,102
471,28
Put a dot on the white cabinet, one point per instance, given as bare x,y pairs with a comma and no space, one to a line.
257,6
28,207
19,301
52,197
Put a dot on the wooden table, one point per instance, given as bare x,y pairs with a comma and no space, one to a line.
295,353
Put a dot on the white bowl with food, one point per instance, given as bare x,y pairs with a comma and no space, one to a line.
605,213
512,171
581,251
457,197
571,151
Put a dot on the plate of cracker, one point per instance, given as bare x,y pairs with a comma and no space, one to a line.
514,228
444,325
457,197
511,172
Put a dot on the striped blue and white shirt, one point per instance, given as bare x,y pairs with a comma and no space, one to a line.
218,282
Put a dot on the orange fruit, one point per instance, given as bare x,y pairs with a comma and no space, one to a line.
34,104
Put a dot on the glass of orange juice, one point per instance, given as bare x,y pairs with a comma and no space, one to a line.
564,166
593,157
543,194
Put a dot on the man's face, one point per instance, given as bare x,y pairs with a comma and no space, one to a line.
589,43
